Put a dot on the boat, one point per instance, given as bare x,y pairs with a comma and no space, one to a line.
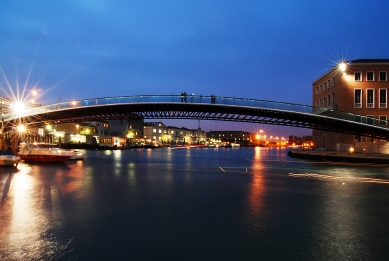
8,158
77,155
40,152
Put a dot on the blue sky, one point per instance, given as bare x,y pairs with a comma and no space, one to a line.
270,50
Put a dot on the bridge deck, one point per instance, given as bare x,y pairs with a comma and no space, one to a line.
205,108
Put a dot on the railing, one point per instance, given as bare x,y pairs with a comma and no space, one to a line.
199,99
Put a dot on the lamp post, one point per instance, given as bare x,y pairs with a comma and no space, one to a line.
2,133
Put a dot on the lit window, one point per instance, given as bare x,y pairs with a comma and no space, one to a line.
383,76
383,98
357,98
159,131
154,130
357,76
370,98
370,76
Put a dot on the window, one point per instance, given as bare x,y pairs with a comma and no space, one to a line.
317,89
324,86
321,103
370,119
358,118
383,76
154,130
358,77
333,81
333,98
159,131
370,98
325,101
370,76
382,98
383,120
321,88
329,100
317,103
357,98
329,83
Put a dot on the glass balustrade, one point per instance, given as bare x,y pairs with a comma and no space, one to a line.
200,99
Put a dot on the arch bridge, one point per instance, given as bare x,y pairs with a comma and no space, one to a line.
204,108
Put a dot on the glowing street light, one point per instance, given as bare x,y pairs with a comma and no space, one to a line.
343,67
18,108
34,93
21,128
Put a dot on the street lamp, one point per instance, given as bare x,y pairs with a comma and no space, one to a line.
343,67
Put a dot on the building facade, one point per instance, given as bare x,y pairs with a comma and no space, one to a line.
159,133
241,137
357,86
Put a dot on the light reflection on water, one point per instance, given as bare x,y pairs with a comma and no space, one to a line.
231,204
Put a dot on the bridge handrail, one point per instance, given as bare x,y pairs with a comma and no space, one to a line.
203,99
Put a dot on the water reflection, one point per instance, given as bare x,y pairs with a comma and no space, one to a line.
181,200
23,215
256,190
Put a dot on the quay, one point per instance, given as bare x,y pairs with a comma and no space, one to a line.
335,156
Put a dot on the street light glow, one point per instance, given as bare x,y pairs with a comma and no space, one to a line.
21,128
343,67
18,108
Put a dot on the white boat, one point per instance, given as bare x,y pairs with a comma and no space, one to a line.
8,158
77,155
41,152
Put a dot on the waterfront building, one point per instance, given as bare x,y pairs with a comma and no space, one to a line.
135,131
241,137
159,133
356,86
155,133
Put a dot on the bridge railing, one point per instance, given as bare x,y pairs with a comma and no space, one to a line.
200,99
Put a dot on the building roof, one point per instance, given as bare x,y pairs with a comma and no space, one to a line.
369,61
357,61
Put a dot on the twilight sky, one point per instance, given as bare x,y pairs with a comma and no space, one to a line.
270,50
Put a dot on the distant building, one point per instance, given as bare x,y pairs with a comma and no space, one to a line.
357,86
155,133
241,137
159,133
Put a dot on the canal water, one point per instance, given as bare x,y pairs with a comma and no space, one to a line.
194,204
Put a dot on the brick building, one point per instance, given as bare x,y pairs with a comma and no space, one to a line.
357,86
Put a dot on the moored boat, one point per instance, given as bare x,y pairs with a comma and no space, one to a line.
77,155
36,152
8,158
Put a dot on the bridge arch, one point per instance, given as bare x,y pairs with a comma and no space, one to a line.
203,108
